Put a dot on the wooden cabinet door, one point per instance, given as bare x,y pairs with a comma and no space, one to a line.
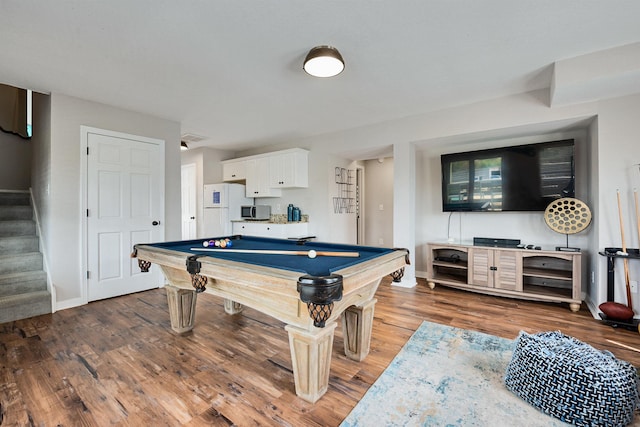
481,263
508,272
495,268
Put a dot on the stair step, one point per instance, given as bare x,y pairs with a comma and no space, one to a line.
20,263
22,306
22,283
15,212
18,245
17,228
15,198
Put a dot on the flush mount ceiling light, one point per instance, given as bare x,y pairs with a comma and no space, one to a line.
323,61
183,146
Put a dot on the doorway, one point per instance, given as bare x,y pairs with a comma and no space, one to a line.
189,205
124,198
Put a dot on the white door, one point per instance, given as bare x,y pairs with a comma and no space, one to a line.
188,193
125,205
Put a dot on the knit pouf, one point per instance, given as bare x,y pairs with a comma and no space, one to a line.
572,381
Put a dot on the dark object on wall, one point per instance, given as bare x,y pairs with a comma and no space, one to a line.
517,178
13,110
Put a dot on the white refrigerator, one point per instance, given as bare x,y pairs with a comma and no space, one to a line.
222,205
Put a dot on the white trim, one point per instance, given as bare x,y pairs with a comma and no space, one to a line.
41,247
591,306
406,282
70,303
84,143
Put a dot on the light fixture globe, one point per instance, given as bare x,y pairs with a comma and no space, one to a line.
323,61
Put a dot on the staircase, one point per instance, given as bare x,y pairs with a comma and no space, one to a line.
23,282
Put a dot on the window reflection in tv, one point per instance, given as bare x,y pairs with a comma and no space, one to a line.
517,178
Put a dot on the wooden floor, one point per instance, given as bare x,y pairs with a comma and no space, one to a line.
116,362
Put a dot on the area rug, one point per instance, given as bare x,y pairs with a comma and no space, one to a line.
446,376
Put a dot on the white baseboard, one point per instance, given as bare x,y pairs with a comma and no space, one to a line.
69,303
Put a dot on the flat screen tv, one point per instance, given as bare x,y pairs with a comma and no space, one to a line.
517,178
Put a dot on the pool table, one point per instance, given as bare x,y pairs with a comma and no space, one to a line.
307,293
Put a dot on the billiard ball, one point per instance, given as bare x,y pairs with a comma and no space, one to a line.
229,244
223,244
311,254
205,243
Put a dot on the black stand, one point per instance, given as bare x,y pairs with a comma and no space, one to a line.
567,248
612,254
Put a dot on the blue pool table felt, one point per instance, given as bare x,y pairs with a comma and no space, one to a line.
319,266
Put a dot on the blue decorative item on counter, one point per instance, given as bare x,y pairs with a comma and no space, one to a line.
296,214
290,212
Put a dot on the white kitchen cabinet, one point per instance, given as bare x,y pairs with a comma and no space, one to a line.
257,183
268,229
265,174
234,171
289,169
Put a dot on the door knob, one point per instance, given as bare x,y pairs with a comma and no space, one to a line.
193,217
154,223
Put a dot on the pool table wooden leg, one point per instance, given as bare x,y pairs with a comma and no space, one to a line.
357,322
311,359
182,308
232,307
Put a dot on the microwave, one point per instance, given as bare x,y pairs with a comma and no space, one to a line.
261,212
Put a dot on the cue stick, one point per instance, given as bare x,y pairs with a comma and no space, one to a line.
625,261
624,345
276,252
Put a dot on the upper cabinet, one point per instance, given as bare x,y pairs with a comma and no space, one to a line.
266,174
289,169
258,173
234,171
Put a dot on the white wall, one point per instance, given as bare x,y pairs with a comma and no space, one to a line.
607,152
15,162
40,169
63,230
317,200
342,220
591,261
526,226
462,227
378,194
618,156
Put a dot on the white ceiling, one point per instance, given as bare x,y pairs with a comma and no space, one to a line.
231,70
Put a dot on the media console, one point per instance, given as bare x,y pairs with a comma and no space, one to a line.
538,275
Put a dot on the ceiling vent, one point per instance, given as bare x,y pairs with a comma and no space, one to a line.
191,138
